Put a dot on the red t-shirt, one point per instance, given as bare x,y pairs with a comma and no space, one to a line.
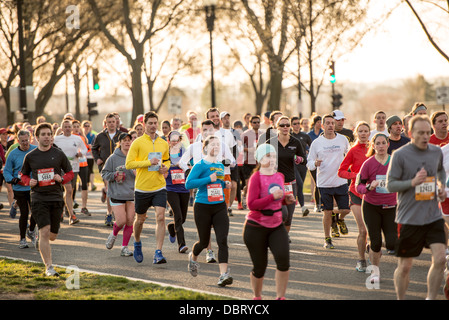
439,142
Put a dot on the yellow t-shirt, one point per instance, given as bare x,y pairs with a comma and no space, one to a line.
139,157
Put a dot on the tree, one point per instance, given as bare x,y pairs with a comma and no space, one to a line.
141,22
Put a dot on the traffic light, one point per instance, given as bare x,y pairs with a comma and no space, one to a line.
91,111
336,101
96,79
332,77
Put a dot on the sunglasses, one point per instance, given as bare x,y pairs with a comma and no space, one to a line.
284,125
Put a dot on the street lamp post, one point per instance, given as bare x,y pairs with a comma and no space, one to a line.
209,6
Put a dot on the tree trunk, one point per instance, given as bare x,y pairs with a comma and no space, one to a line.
276,75
137,92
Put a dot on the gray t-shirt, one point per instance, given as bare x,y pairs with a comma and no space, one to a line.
404,165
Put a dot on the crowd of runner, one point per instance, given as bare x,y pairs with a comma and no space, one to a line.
392,177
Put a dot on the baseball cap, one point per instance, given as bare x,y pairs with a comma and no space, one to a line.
223,114
392,120
338,115
124,135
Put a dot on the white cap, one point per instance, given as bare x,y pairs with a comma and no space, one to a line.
338,115
223,114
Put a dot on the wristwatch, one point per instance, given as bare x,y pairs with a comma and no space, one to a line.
368,186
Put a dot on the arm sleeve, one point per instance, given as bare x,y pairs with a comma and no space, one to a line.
194,181
344,167
131,162
253,201
186,158
107,173
394,173
311,157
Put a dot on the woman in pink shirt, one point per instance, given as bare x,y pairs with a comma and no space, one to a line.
264,227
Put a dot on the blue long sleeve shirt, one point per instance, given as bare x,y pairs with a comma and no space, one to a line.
199,178
14,165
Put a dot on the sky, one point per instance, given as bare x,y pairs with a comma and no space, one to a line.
398,49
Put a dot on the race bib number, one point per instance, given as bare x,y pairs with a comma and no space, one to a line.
214,192
288,188
382,186
178,176
426,190
46,177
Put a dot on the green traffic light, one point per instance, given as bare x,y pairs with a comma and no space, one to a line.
332,79
96,86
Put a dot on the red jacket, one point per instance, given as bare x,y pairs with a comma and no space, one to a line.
351,164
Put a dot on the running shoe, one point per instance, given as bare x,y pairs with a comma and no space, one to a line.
171,232
138,255
111,240
193,266
361,266
93,188
13,210
158,257
230,212
75,205
210,256
305,211
335,232
342,224
225,279
103,195
73,220
240,206
328,244
31,235
183,249
50,272
23,244
125,252
85,211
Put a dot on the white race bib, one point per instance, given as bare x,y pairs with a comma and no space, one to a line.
178,176
46,177
214,192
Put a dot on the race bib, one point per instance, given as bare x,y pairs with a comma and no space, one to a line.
178,176
157,155
382,186
288,188
426,190
214,192
46,177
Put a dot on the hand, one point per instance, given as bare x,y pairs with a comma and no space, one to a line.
374,184
33,182
57,178
119,177
154,161
213,177
79,154
99,162
441,194
228,184
163,169
318,163
419,178
278,194
289,198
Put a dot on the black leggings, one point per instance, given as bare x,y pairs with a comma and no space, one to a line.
179,202
258,239
206,216
377,220
23,201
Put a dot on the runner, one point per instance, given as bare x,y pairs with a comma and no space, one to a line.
11,171
120,193
103,146
314,133
149,155
339,125
440,137
42,170
74,148
349,169
264,226
379,120
397,140
378,205
83,168
290,152
177,195
86,125
326,154
415,173
210,209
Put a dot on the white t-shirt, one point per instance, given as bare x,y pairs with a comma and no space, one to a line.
71,145
373,132
332,152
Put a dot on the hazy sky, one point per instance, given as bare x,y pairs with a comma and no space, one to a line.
399,49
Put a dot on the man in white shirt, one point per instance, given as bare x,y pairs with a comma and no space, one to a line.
326,154
74,148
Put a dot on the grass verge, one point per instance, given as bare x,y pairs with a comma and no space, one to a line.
25,280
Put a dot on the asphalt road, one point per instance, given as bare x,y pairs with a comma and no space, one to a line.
316,273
